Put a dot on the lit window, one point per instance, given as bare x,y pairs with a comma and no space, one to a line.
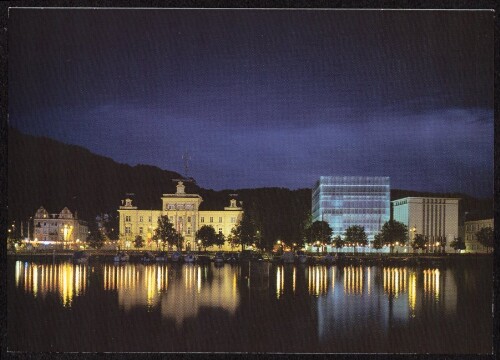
127,230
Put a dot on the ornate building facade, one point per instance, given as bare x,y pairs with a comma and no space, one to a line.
183,212
63,228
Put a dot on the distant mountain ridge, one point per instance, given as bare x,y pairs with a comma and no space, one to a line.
43,171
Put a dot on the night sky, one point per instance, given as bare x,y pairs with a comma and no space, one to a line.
264,98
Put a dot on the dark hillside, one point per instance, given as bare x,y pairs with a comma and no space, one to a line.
46,172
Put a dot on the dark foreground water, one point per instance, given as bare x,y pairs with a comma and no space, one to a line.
254,307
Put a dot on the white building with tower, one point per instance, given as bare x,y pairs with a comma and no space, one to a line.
183,212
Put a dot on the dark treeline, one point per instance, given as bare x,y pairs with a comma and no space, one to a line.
45,172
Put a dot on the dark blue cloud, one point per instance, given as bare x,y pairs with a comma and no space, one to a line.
264,98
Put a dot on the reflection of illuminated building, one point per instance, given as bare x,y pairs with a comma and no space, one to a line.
317,280
431,284
353,280
192,288
412,292
65,279
395,281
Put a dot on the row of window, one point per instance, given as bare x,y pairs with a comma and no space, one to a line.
128,218
39,224
474,227
128,230
179,207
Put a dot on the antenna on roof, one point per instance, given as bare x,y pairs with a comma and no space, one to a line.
233,195
185,158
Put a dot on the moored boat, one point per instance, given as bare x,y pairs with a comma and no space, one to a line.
277,259
288,257
328,259
202,259
147,257
218,258
121,257
189,258
176,256
231,258
161,256
80,257
301,257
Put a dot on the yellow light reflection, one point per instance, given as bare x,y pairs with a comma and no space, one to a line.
412,293
353,280
279,281
368,281
18,272
395,281
432,283
35,280
65,279
199,279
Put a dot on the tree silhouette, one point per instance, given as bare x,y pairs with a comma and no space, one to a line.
393,232
485,237
166,233
207,236
356,235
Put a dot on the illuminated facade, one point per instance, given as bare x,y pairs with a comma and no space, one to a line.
183,211
62,228
344,201
471,228
436,218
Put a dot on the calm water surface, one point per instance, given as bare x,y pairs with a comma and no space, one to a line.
252,307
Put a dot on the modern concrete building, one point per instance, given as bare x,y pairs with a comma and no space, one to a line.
343,201
183,211
59,229
436,218
471,228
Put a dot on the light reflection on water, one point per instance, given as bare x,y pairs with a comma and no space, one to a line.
180,291
64,279
247,307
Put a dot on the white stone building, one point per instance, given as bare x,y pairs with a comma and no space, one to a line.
63,228
436,218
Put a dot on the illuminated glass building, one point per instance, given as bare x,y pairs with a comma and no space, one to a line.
343,201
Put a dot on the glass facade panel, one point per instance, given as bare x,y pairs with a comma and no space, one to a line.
343,201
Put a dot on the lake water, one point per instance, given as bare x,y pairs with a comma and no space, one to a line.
255,307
